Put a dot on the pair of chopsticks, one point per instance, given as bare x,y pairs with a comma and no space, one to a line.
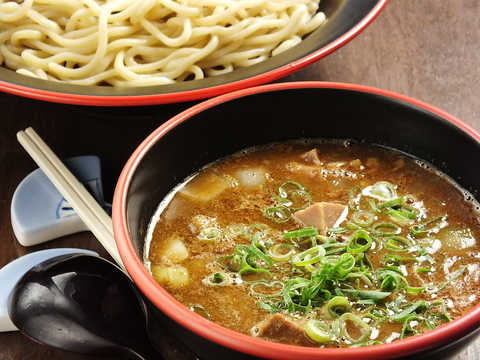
94,216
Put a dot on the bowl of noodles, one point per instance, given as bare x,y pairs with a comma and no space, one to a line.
131,53
229,214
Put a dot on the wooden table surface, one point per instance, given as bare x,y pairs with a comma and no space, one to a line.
426,49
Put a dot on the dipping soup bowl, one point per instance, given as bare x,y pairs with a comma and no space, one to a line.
228,123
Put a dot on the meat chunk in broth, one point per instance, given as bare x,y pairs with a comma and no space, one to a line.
322,215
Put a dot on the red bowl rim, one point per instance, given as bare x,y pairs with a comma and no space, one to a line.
191,95
160,298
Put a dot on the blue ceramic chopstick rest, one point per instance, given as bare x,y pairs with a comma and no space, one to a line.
40,213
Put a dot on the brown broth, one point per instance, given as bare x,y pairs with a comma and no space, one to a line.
216,198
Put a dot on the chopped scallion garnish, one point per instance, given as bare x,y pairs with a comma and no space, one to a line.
318,331
301,271
337,306
363,218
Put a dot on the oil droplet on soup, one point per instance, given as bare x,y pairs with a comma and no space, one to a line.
325,243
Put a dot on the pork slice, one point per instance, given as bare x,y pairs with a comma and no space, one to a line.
308,164
279,328
311,157
322,215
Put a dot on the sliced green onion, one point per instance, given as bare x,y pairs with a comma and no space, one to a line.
409,325
249,274
293,195
296,294
234,230
359,242
210,234
435,319
352,226
235,263
360,276
337,306
363,218
354,198
278,214
309,231
415,289
264,289
348,321
281,252
217,279
367,294
288,187
243,258
310,256
386,229
272,307
345,264
392,260
365,263
428,226
395,260
379,313
329,262
303,238
454,277
223,261
318,331
391,203
337,230
374,206
409,311
398,243
334,247
383,190
258,250
300,200
402,212
322,239
391,280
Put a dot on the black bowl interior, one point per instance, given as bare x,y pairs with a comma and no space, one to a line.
291,114
343,16
278,115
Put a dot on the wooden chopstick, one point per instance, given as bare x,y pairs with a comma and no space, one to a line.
94,216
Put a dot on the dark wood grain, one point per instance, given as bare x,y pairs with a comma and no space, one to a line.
426,49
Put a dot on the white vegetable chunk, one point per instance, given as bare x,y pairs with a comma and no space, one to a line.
174,275
176,250
456,239
205,187
250,178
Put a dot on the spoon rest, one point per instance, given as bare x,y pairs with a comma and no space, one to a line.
11,273
40,213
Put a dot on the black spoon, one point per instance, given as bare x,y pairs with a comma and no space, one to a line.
82,304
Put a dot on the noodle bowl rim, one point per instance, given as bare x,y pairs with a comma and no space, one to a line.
38,89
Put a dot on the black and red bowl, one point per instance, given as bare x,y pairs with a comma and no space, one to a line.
346,19
226,124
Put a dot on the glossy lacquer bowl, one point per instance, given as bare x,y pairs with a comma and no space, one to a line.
226,124
346,19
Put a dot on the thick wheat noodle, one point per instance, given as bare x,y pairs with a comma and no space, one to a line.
151,42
